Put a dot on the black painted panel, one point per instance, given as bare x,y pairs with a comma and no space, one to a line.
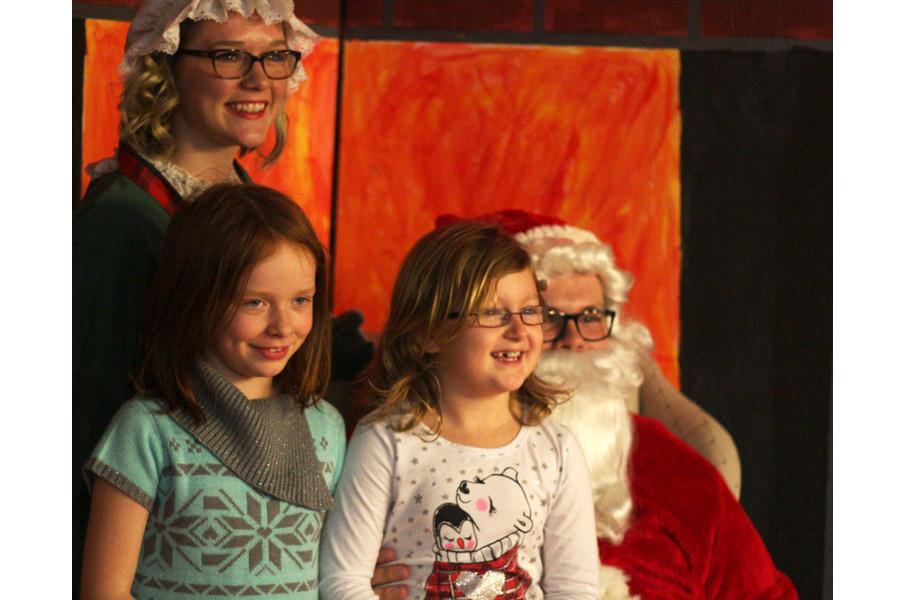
79,44
756,282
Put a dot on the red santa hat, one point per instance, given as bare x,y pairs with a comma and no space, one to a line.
558,248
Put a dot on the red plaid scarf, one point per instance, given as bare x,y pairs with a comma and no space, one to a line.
148,178
145,175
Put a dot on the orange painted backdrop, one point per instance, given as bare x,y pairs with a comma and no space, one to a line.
591,135
304,171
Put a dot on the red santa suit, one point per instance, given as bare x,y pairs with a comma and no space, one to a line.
688,538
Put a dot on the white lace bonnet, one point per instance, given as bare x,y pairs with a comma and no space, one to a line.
155,27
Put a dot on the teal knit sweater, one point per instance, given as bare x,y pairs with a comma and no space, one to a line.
237,504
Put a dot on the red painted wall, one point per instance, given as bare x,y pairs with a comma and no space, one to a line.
801,19
635,17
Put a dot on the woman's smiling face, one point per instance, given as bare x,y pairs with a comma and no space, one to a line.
215,113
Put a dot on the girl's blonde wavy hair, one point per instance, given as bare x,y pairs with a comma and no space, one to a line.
453,269
149,99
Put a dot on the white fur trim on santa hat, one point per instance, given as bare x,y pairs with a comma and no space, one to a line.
560,249
566,232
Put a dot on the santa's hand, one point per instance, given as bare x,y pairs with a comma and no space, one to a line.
386,577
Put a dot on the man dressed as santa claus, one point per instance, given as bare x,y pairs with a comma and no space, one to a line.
668,527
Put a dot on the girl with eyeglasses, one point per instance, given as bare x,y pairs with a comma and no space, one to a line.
457,468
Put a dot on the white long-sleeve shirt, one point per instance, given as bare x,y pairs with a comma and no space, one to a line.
467,521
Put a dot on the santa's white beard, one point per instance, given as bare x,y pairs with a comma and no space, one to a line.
600,381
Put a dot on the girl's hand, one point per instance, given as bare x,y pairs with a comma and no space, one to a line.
385,577
113,543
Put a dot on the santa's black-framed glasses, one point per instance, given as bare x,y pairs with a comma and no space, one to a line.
229,63
592,324
498,317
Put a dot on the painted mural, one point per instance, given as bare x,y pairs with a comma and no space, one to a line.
304,170
591,135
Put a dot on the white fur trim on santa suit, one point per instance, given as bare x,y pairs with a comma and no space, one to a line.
614,584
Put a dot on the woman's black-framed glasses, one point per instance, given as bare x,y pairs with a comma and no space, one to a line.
498,317
235,64
592,324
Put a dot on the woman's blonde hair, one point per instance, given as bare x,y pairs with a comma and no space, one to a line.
452,270
148,101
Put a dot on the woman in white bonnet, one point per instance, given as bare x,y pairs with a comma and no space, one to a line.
204,81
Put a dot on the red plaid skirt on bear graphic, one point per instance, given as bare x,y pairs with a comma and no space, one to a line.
458,581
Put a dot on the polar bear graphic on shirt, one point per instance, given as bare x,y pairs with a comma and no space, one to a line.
477,540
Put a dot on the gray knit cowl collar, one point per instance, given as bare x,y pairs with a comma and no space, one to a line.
267,442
